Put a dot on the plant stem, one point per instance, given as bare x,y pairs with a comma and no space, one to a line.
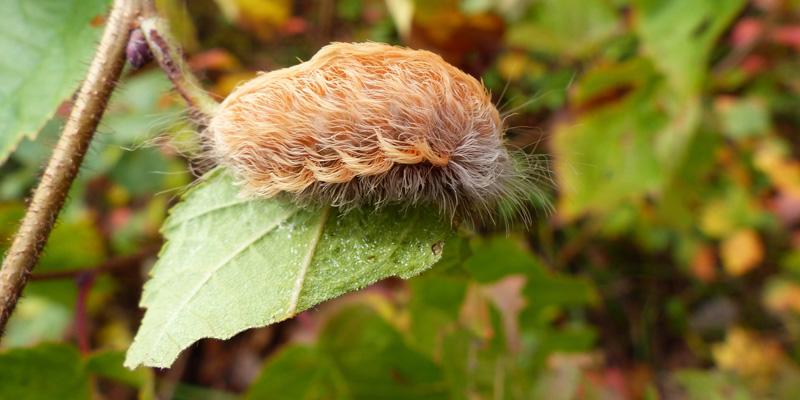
82,335
49,196
170,58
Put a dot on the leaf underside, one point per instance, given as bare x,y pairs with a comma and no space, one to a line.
232,263
45,46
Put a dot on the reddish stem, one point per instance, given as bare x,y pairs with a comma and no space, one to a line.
85,281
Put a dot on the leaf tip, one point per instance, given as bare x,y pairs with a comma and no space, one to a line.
131,363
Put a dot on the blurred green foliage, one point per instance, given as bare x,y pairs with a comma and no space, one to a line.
50,40
670,267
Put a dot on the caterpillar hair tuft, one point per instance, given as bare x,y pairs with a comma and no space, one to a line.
373,124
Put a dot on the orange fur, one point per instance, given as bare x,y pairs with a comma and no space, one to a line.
367,123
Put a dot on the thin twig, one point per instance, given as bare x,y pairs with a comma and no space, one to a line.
85,283
170,58
65,162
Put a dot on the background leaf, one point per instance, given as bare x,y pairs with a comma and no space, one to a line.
686,30
21,374
672,126
108,364
232,263
47,44
361,356
565,27
36,319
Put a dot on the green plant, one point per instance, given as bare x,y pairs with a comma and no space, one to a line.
668,268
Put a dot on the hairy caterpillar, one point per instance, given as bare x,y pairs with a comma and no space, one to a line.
369,123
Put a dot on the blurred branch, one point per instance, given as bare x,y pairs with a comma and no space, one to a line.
170,57
63,166
85,283
114,264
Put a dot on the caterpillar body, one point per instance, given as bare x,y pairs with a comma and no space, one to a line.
373,124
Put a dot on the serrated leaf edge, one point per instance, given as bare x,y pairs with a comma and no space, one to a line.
262,234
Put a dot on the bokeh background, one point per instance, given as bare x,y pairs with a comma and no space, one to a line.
669,267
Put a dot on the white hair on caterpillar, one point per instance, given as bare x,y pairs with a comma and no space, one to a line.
373,124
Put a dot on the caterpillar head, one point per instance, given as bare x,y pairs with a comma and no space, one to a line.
372,124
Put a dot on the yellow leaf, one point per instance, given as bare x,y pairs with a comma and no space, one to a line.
782,296
180,23
748,355
512,65
115,334
118,196
258,16
741,252
715,220
773,158
227,83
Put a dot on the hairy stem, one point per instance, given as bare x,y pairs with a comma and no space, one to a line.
170,57
49,196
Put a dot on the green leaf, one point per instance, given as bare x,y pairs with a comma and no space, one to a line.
679,35
185,391
44,372
108,364
711,385
496,258
297,372
46,44
478,366
545,289
141,108
359,356
611,80
231,264
34,153
434,306
36,319
143,171
10,215
571,28
60,253
743,118
607,157
359,338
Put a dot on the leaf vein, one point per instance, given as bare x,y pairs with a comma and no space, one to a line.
209,211
214,269
301,275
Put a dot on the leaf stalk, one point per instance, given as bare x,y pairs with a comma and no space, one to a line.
170,58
